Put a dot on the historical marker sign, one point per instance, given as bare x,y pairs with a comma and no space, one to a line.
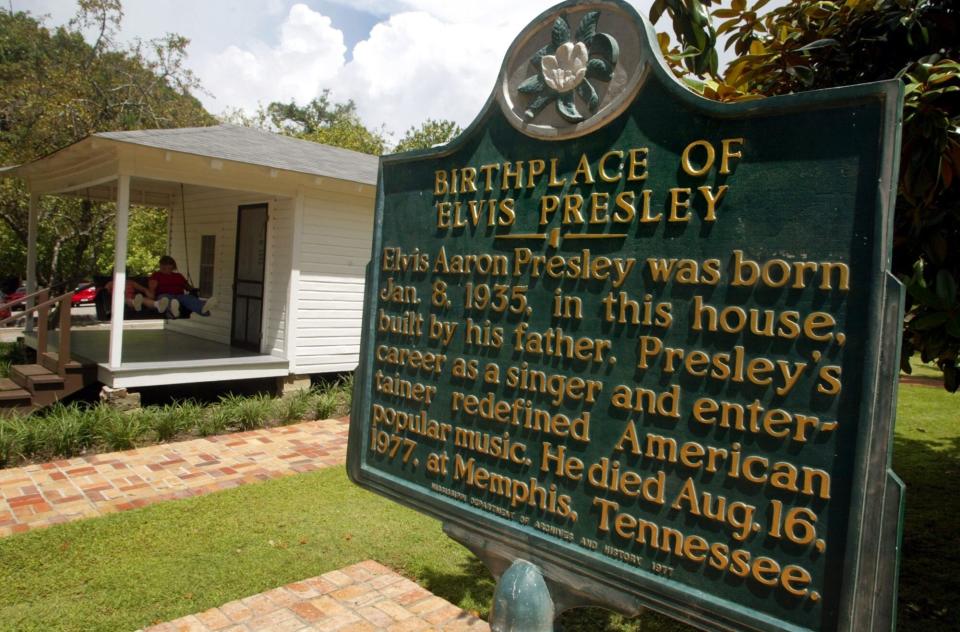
645,341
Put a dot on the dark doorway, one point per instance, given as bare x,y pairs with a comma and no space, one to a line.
248,277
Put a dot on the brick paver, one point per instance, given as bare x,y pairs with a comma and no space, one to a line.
365,596
40,495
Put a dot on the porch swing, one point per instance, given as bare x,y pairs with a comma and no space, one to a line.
102,299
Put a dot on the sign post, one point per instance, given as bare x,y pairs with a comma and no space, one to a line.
637,349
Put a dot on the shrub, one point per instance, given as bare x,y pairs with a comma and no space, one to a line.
213,422
294,407
326,403
246,413
8,442
28,434
67,430
173,419
118,430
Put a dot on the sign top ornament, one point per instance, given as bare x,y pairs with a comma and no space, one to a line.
571,73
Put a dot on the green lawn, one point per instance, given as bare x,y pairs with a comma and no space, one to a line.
127,570
919,368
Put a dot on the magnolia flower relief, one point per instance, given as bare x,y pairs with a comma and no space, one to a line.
566,65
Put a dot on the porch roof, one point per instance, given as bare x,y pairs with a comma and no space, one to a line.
258,147
96,160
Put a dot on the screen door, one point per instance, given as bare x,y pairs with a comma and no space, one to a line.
248,277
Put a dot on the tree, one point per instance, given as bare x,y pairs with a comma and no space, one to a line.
429,133
806,45
320,121
58,89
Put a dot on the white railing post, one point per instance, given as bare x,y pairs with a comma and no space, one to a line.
117,302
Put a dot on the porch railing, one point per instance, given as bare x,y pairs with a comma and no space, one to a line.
42,308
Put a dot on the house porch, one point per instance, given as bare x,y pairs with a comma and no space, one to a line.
157,357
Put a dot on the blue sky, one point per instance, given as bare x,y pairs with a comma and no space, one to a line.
401,61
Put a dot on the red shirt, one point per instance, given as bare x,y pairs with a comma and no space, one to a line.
172,283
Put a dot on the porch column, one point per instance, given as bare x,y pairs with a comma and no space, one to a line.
119,271
32,219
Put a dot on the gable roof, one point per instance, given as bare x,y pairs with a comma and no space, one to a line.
257,147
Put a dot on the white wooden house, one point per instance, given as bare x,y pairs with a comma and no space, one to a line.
277,229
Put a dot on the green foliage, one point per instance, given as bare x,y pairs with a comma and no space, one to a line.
12,353
58,89
325,404
119,430
170,421
29,436
246,413
146,241
806,45
429,133
320,120
295,406
8,442
65,430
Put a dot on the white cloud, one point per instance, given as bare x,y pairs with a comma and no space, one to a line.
423,58
414,66
308,56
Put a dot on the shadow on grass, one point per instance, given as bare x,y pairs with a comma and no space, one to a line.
472,585
472,588
929,595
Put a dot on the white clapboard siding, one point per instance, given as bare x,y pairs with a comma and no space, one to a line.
214,212
279,261
334,250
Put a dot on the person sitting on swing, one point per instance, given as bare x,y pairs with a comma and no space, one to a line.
170,284
136,296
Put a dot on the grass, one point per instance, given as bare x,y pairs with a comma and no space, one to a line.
130,569
919,368
68,430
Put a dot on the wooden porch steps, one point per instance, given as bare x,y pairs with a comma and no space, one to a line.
33,386
12,395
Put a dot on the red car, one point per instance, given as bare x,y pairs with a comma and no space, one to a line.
9,298
84,295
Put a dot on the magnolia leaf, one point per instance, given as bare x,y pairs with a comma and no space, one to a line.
946,287
561,31
567,107
588,25
802,73
537,60
929,321
953,327
536,105
606,46
588,94
820,43
656,10
599,69
951,378
531,85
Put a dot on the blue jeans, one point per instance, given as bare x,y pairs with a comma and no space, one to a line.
189,301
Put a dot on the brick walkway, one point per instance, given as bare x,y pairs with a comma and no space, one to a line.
40,495
360,598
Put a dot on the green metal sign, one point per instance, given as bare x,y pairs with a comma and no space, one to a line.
644,342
